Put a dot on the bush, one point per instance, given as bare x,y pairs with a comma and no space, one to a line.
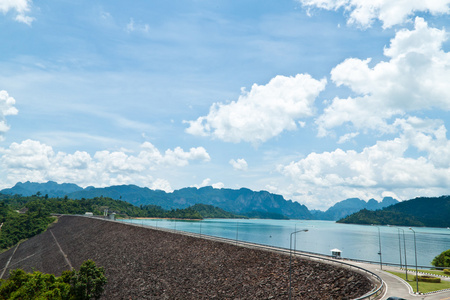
447,271
88,283
427,278
442,260
36,285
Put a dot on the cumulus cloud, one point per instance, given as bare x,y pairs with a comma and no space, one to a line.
415,78
6,109
383,167
240,164
261,113
35,161
207,182
363,13
21,7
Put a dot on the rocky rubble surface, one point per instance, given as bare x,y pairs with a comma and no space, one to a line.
142,263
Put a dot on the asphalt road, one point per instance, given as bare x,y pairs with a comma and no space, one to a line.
398,287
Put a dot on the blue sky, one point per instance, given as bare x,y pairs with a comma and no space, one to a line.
317,100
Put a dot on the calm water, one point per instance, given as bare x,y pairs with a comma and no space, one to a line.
355,241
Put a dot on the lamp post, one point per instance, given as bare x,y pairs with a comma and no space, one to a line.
237,231
400,249
290,259
295,238
415,250
379,243
404,246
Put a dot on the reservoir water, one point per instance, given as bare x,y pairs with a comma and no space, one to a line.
359,242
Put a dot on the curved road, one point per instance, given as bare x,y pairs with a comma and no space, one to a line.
398,287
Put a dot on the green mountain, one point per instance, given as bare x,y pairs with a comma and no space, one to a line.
212,212
240,202
51,188
349,206
422,211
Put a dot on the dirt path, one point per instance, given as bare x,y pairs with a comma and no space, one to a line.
62,252
9,260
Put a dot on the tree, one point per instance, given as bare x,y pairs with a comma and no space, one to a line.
89,282
36,285
442,260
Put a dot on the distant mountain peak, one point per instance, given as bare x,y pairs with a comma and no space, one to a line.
349,206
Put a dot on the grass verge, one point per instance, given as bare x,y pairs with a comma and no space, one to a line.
424,287
434,272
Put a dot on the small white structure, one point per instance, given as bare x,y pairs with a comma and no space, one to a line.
336,253
112,216
88,214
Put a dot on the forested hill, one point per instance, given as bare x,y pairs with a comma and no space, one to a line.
430,212
349,206
241,202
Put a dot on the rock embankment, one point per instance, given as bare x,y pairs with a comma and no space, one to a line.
142,263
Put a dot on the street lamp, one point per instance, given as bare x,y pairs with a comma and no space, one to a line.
379,243
295,238
237,230
404,246
415,250
290,259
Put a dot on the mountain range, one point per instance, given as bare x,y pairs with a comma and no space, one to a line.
421,211
242,201
350,206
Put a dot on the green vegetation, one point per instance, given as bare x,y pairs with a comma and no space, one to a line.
427,278
424,287
97,206
209,211
442,260
434,272
430,212
19,226
381,217
88,283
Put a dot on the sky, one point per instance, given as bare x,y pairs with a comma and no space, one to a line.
316,100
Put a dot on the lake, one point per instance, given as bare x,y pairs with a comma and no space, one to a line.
355,241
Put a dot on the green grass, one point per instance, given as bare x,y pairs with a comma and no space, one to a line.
424,287
435,272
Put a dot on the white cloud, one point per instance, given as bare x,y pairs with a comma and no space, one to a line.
207,182
132,26
218,185
347,137
379,169
35,161
21,7
415,78
6,109
161,184
263,112
390,13
240,164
